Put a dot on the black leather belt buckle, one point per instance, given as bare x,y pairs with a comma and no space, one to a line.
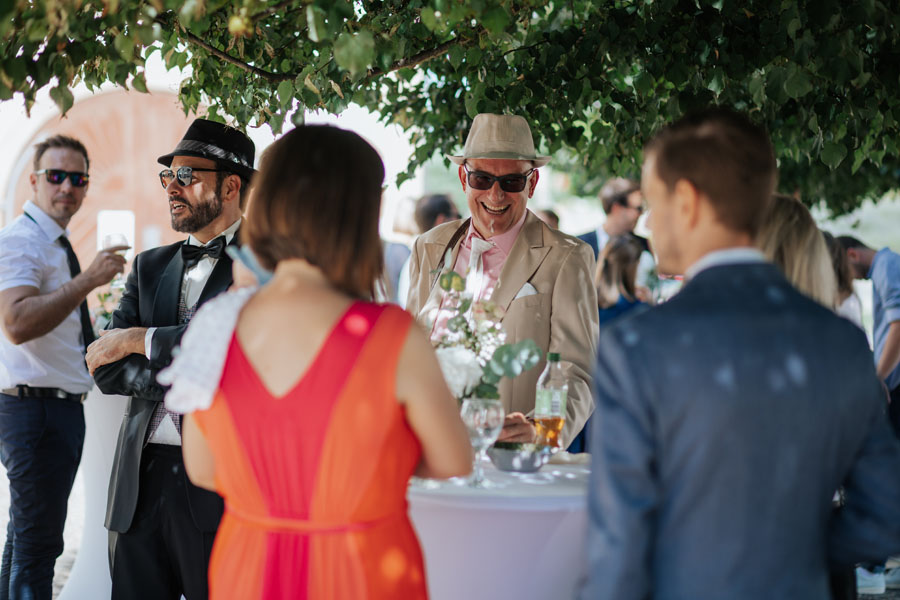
26,391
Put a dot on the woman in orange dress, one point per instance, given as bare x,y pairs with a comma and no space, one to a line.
312,407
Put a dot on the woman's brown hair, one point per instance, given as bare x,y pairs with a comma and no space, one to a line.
616,270
317,197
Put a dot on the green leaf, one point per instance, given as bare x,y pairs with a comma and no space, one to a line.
139,83
63,98
797,83
495,20
355,52
832,154
315,20
285,94
125,46
456,55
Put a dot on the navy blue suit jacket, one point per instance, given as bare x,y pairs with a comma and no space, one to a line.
726,419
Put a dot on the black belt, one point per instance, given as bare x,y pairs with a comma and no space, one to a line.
26,391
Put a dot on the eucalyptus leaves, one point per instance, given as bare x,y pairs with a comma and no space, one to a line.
473,354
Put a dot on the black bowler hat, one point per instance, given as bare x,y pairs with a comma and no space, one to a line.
228,147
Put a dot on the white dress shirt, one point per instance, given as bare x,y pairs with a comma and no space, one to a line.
192,284
30,255
726,256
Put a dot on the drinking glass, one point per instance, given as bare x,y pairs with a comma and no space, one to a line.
484,420
110,241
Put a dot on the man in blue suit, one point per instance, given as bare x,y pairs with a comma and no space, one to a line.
727,417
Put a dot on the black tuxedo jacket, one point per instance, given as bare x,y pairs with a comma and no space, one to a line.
151,300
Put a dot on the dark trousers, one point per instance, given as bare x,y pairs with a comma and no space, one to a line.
163,554
40,446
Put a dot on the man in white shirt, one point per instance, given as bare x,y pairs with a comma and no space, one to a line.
162,526
43,377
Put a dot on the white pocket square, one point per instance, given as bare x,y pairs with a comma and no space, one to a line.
527,290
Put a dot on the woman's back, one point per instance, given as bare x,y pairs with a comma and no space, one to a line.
313,462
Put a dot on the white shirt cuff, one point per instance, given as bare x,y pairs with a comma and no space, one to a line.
148,341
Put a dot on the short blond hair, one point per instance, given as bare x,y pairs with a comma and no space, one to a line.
789,237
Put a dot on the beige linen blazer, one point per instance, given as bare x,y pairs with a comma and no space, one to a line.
561,317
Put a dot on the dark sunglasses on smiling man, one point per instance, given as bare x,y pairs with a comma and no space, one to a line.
512,182
57,176
184,175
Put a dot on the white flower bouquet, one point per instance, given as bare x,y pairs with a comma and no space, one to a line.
473,354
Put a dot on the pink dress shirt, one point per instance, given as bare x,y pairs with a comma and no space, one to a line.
493,260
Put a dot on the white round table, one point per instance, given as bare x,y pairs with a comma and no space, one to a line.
522,539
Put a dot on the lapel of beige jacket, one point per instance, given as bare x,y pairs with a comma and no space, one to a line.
525,256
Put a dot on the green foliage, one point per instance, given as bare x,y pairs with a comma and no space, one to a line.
594,77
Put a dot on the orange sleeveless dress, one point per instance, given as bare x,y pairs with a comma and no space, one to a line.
315,481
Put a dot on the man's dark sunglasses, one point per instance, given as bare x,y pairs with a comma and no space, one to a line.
622,200
185,175
512,183
57,176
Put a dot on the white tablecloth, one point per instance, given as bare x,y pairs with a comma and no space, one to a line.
524,539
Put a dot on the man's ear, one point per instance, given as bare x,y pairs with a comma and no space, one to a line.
462,177
232,187
534,179
687,202
32,178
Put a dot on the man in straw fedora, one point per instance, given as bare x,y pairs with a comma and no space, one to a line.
540,277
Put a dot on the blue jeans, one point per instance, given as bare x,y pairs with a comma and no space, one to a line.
40,447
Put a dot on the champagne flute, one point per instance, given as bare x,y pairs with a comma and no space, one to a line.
484,421
111,241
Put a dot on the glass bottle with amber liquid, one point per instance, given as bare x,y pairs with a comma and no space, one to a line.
550,402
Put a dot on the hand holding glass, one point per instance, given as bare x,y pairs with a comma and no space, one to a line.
484,420
114,240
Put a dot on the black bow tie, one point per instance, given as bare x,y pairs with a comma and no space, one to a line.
192,254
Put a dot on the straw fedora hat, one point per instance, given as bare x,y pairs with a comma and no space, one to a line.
500,136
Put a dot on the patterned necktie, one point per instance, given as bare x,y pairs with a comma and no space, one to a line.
475,276
87,330
159,413
193,254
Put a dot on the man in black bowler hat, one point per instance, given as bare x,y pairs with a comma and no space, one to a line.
162,526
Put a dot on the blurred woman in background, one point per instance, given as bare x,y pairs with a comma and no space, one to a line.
790,238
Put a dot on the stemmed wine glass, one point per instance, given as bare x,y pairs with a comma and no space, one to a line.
111,241
484,420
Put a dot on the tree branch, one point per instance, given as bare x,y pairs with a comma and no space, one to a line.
421,57
193,39
271,10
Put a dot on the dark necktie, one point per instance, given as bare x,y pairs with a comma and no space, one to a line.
87,331
193,254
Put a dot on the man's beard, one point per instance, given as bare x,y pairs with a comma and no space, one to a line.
199,215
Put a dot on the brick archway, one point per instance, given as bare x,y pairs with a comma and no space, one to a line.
124,133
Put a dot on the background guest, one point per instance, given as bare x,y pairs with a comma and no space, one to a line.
617,290
789,237
43,378
321,513
849,305
431,210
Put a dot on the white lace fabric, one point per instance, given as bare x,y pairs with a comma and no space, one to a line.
197,368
